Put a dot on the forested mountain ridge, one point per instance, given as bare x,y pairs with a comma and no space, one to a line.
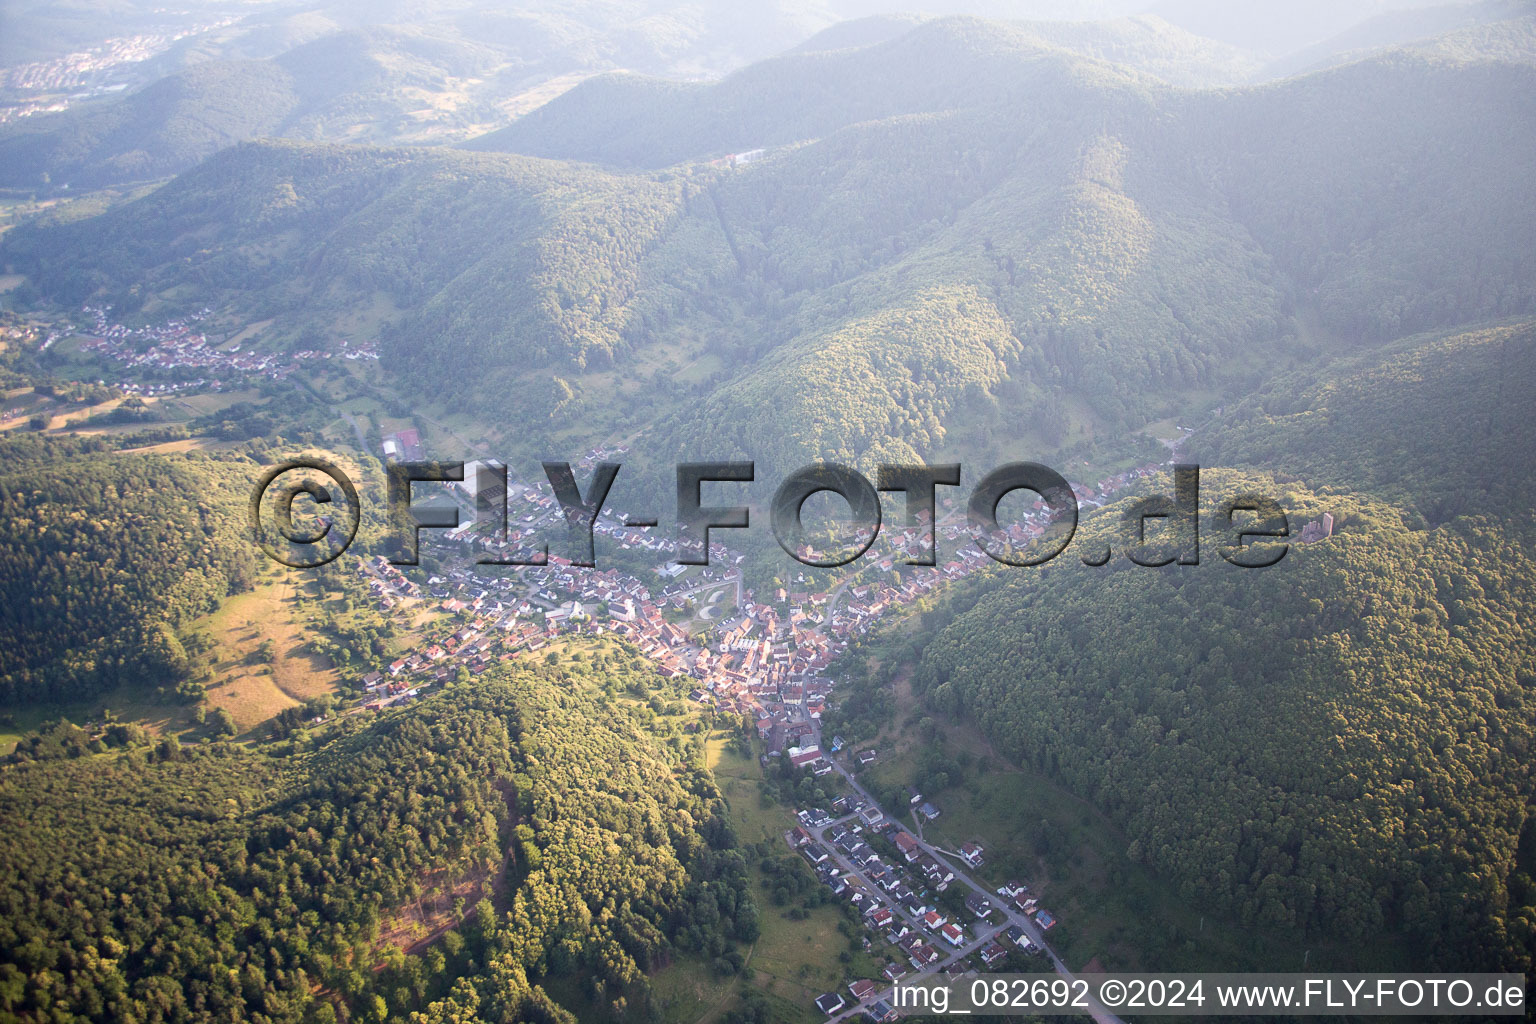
1369,775
529,257
231,885
1490,28
1434,423
163,129
946,64
1101,222
105,557
1347,210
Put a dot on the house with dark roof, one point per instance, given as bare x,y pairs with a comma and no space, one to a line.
830,1003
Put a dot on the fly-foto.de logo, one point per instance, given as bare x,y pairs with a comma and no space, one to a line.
1156,530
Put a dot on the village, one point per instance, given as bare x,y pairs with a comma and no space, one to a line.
110,67
180,345
761,657
765,659
771,668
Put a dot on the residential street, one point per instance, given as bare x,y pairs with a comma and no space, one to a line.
1011,914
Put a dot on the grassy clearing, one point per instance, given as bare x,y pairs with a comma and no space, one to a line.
1164,430
792,962
166,447
253,690
248,333
738,777
687,991
193,406
130,704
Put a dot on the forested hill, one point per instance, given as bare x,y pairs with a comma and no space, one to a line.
1059,253
585,842
105,557
1505,29
1438,424
947,64
360,85
159,131
529,258
1340,742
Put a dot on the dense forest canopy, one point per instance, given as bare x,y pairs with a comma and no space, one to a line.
1342,741
105,557
229,885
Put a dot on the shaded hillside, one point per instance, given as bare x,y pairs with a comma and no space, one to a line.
1386,190
633,121
1437,424
1369,773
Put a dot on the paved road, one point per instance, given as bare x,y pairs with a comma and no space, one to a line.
1011,914
362,442
986,935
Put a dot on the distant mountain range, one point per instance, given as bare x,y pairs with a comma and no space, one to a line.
344,73
1093,241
